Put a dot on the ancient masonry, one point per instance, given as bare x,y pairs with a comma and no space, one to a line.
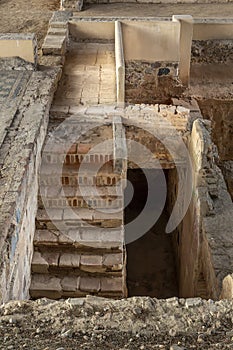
69,120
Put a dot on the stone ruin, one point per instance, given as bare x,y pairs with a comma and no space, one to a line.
106,104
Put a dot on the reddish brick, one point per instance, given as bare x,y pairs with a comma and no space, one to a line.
84,148
72,149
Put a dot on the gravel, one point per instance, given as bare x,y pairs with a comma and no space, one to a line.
99,323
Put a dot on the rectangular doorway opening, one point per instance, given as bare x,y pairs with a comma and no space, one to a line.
151,264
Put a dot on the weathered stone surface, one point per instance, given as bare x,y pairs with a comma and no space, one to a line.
30,94
69,260
212,51
90,284
151,83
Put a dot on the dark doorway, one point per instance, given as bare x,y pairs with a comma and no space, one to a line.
151,268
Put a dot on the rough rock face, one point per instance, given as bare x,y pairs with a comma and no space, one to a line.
134,323
148,82
212,51
15,63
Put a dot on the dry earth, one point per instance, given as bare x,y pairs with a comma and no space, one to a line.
136,323
20,16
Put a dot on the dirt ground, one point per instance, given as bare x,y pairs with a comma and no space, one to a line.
20,16
102,324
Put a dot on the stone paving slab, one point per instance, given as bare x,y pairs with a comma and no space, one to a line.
12,88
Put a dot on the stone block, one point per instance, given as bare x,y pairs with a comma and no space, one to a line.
21,45
114,284
70,283
57,31
91,263
51,258
69,260
39,264
54,45
45,283
113,261
89,284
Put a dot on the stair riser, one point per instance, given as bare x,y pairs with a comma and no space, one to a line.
83,271
75,159
36,294
80,203
49,225
68,180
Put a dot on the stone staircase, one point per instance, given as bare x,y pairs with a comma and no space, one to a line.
79,240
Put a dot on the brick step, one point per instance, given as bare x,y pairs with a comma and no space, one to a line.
61,197
67,218
77,180
91,157
79,202
55,287
87,191
81,239
76,263
89,169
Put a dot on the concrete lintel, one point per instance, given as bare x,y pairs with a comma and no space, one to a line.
19,45
186,35
120,64
119,146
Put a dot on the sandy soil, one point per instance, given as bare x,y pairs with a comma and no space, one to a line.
103,324
20,16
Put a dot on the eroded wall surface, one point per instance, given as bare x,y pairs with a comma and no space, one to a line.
205,242
25,98
147,82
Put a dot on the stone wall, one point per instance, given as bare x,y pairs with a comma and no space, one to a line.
20,159
212,51
208,241
147,82
220,112
227,170
203,241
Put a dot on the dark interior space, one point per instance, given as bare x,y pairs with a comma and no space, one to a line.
151,268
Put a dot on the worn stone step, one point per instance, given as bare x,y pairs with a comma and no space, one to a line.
54,287
90,169
84,197
53,157
83,238
87,191
77,263
54,45
79,180
67,218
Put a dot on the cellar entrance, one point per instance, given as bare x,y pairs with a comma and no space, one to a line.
151,267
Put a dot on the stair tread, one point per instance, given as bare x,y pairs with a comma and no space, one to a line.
78,214
84,191
79,263
85,237
48,285
90,169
